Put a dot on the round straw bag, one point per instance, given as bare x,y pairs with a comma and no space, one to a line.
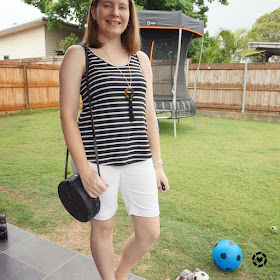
76,200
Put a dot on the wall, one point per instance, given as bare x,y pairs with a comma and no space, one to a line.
54,37
33,39
24,44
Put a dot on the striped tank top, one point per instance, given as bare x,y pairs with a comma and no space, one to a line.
119,140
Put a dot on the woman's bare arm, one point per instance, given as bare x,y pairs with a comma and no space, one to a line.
70,75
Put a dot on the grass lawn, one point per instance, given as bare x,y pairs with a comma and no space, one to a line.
225,184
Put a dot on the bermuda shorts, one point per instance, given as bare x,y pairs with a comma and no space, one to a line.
137,184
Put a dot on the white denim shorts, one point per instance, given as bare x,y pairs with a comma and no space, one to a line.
137,185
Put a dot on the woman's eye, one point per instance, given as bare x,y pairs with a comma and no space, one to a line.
122,8
107,5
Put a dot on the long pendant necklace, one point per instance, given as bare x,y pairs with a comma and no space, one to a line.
129,92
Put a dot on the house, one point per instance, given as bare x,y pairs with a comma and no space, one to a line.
33,39
268,49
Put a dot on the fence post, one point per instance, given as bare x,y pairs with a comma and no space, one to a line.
26,91
244,87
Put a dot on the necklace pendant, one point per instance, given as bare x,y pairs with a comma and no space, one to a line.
126,93
129,93
130,111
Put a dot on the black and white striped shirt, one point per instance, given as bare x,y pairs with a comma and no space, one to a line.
119,140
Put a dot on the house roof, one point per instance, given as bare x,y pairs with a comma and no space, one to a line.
23,26
270,48
28,25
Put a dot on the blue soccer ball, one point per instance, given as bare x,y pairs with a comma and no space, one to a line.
227,255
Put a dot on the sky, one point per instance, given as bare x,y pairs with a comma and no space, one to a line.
238,14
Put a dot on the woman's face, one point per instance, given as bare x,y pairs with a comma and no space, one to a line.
112,17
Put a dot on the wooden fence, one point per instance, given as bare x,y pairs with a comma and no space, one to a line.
54,60
238,87
253,87
28,86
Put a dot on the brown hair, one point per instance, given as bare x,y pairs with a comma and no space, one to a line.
130,38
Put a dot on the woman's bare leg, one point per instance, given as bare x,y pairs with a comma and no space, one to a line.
101,243
147,231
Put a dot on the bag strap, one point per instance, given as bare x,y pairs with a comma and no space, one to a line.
92,122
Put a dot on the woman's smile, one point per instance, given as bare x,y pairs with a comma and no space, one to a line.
113,22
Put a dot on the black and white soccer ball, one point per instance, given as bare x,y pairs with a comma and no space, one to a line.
201,275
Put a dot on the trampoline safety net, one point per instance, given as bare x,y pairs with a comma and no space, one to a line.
171,96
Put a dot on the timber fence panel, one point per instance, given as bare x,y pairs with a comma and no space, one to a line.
28,86
162,80
263,87
12,87
220,86
43,84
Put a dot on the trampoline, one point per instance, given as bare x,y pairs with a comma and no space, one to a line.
166,37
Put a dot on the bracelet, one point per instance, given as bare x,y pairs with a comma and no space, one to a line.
158,162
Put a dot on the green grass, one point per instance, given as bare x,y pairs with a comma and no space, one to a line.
224,179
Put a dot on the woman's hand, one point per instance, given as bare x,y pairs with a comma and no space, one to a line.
93,184
161,178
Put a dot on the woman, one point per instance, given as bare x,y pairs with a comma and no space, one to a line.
126,131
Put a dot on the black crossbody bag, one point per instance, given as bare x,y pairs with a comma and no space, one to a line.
71,190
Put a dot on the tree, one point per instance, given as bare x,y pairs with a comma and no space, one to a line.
60,11
211,52
227,47
242,50
268,27
69,41
230,46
